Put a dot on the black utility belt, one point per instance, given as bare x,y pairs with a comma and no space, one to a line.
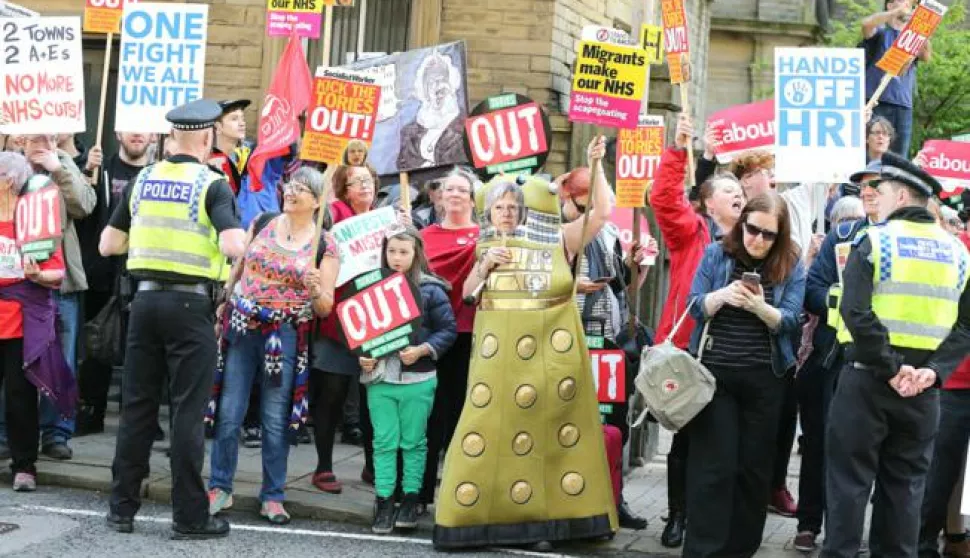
203,289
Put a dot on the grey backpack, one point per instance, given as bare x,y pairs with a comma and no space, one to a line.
673,385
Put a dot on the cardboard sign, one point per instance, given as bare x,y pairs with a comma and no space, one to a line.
608,85
609,372
652,42
948,162
343,108
378,313
507,133
819,101
912,38
283,16
676,39
38,219
637,157
744,127
161,63
624,223
104,16
359,242
42,75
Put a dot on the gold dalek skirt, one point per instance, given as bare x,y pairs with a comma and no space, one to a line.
527,462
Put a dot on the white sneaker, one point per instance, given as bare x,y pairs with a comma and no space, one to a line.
24,482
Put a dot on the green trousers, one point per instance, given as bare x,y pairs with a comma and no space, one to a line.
399,414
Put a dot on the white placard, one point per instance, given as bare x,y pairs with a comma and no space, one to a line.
161,63
819,121
359,241
42,89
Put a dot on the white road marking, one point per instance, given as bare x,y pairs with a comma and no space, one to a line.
288,530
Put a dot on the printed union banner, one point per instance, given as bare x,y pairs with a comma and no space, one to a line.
948,162
507,133
637,157
378,313
343,108
42,89
608,84
744,127
912,38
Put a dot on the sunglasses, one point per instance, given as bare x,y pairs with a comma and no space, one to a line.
753,230
874,183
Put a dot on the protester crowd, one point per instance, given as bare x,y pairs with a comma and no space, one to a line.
777,289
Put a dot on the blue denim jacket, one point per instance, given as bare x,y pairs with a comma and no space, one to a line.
714,273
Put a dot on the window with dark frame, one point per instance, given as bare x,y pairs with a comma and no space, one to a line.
370,26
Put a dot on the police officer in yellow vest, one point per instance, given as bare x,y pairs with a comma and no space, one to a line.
906,310
178,222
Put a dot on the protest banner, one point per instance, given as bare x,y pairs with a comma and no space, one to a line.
819,121
38,219
104,16
624,223
676,40
285,16
42,75
652,42
948,162
744,127
343,108
507,133
909,43
378,313
637,157
607,85
9,9
359,242
161,64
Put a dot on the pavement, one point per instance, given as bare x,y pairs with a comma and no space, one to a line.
644,489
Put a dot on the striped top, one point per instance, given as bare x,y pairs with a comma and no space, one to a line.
737,338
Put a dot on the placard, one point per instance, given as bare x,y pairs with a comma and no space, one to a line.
38,219
637,158
652,42
507,133
104,16
359,242
161,63
912,38
283,16
343,108
42,75
820,125
623,220
609,374
608,84
676,39
948,162
379,314
744,127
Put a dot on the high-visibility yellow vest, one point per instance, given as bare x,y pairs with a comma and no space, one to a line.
170,229
919,274
846,233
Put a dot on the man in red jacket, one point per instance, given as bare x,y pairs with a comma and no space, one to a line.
686,233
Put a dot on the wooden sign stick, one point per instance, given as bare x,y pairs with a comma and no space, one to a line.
104,99
685,104
886,79
405,192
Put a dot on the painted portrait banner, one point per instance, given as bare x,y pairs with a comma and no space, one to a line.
424,103
608,84
344,108
42,89
507,133
161,64
637,158
819,102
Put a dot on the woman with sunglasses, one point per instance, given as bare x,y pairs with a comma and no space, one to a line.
275,292
746,297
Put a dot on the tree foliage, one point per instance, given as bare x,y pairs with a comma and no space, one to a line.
942,103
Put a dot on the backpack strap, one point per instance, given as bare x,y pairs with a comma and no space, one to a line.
680,322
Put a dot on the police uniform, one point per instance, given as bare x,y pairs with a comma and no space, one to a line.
905,286
173,212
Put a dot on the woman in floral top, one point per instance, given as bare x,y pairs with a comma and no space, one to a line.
275,293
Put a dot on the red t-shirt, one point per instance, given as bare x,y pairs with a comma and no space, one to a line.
451,255
12,272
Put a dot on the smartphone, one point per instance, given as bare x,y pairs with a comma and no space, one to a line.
751,280
602,280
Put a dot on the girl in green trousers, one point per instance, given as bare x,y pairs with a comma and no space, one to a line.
400,387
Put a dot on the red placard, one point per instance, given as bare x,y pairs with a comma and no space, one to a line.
609,373
637,157
505,135
912,38
344,107
623,219
744,127
948,162
378,313
38,221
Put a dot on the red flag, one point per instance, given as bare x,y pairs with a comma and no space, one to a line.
288,96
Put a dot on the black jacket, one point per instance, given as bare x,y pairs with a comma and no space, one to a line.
870,346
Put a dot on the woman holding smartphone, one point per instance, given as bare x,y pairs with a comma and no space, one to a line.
746,297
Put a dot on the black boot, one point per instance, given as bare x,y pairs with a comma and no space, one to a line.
628,520
673,533
211,528
89,421
383,516
407,514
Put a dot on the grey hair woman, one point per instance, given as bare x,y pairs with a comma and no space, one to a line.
505,207
14,170
847,208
